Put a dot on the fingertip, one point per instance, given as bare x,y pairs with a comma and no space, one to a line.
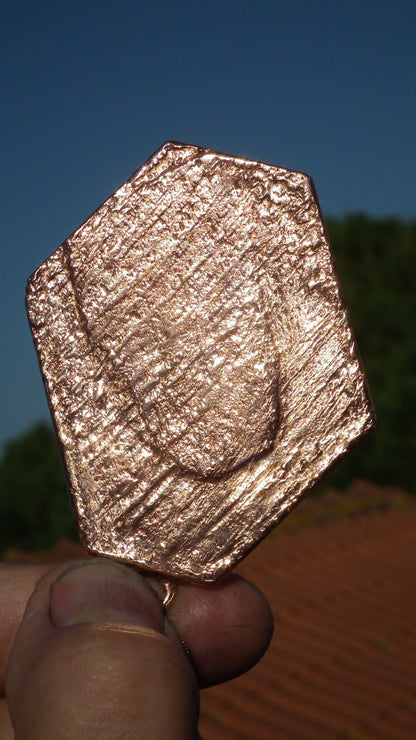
227,628
100,623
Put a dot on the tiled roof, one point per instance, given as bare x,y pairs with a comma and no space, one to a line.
342,662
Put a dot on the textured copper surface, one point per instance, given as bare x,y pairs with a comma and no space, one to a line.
198,360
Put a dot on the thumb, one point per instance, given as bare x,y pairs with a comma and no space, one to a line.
94,657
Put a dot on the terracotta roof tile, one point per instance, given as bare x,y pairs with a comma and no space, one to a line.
342,663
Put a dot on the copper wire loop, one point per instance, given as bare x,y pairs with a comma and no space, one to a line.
170,593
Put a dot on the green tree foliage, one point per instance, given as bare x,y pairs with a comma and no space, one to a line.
34,506
376,261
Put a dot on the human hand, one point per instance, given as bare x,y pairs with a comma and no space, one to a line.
95,656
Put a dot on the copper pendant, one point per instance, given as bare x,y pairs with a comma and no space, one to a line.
198,359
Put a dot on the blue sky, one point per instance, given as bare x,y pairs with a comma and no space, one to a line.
91,89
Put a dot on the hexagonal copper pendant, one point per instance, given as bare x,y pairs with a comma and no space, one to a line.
198,360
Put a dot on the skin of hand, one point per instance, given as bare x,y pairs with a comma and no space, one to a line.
87,651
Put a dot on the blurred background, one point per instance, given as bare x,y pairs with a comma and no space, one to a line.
89,91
